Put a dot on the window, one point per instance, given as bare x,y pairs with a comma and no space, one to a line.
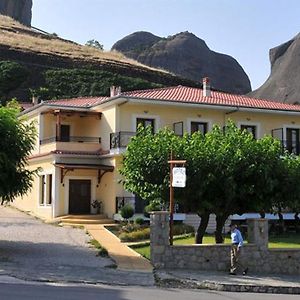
49,194
145,123
292,140
250,128
199,126
42,189
65,133
45,197
178,128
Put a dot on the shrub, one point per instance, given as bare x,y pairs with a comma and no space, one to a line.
154,205
139,221
127,211
179,229
143,234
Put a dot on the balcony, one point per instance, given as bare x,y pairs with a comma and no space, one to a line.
72,143
120,139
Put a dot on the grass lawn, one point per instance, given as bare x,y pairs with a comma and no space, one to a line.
288,241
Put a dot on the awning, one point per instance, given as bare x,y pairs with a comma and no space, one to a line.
65,168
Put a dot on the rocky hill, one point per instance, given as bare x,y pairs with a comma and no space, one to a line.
283,82
19,10
52,67
186,55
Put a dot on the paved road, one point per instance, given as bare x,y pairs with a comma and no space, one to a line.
48,292
34,250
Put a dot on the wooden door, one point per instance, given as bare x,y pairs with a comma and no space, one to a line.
79,196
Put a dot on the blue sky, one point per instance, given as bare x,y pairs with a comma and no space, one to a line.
243,29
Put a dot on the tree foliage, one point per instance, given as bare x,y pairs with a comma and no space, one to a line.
16,143
12,75
228,172
95,44
68,83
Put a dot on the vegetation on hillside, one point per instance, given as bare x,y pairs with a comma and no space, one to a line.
65,83
60,68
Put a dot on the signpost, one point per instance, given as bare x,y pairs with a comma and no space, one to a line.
177,179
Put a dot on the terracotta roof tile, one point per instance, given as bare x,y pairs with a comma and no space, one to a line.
77,102
195,95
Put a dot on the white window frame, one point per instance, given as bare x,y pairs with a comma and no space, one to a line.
46,189
156,119
199,120
256,124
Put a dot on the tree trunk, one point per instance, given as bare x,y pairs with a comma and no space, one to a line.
221,219
262,215
282,228
202,227
297,222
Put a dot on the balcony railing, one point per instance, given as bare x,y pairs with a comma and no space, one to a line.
120,139
71,139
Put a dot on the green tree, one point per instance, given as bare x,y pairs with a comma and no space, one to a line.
145,164
16,143
95,44
12,75
228,172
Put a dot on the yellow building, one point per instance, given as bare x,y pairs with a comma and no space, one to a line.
80,141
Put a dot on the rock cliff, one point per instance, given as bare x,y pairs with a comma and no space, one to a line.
19,10
186,55
283,82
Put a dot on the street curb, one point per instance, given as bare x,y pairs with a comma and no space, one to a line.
225,287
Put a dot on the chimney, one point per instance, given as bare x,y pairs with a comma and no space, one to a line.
35,100
115,91
206,87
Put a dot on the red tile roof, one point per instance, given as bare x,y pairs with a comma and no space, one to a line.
195,95
182,94
77,102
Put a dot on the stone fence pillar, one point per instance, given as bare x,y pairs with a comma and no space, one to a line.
258,233
159,236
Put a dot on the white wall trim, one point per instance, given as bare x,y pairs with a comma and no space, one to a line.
146,116
190,120
67,185
256,124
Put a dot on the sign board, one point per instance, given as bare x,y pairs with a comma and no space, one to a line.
179,177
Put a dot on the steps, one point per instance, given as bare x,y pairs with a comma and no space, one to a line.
85,220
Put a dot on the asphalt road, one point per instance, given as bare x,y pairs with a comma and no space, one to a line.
82,292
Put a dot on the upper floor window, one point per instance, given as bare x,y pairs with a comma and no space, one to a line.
64,133
251,129
199,126
145,123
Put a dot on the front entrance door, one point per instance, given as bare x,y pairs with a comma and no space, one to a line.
79,196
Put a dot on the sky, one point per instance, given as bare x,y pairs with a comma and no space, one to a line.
244,29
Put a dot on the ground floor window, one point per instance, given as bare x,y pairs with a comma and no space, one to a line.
45,192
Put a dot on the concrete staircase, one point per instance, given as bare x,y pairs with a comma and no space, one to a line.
77,220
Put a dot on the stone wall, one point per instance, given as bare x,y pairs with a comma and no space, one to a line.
255,255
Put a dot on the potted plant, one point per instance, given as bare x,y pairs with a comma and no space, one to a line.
95,207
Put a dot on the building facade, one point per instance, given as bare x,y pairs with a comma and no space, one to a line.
80,141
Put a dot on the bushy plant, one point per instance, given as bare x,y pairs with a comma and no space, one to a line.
127,211
143,234
154,205
139,221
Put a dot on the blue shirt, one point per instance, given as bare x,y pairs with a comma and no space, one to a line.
236,237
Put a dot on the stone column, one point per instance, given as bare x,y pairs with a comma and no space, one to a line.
159,237
258,233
